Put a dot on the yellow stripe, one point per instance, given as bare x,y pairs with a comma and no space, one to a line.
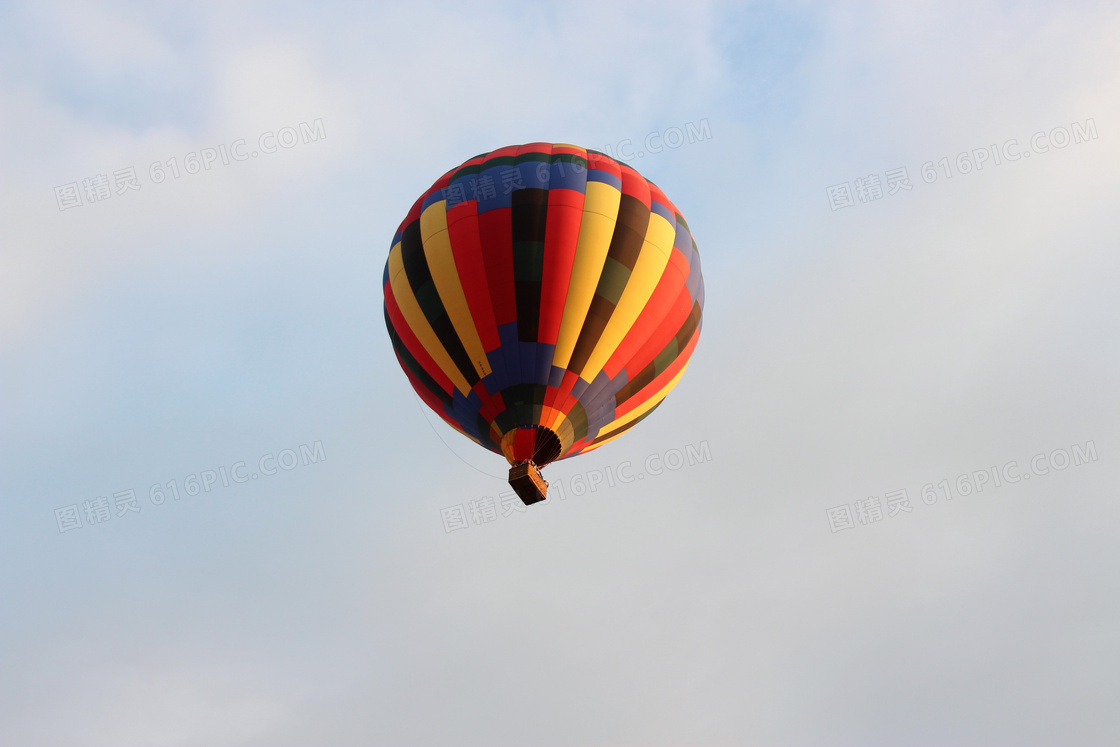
441,263
549,417
418,323
643,280
558,422
600,212
597,444
507,445
646,406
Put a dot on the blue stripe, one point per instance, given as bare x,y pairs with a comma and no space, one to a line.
507,334
556,376
568,176
664,212
432,199
596,175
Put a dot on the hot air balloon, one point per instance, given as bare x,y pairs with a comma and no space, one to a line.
543,299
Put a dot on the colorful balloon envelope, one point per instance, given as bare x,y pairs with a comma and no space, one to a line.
543,299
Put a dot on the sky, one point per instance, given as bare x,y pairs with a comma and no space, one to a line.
880,508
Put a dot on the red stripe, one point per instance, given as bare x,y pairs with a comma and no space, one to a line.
466,247
571,150
565,402
652,318
495,231
565,213
635,185
509,150
601,162
545,148
524,444
491,406
579,446
494,406
665,332
413,213
656,195
481,158
551,394
429,399
412,343
660,380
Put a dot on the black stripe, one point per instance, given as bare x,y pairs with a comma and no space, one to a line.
424,288
529,217
413,365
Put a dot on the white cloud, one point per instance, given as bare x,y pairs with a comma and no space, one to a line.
935,332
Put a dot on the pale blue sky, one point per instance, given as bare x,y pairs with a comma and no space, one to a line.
236,312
